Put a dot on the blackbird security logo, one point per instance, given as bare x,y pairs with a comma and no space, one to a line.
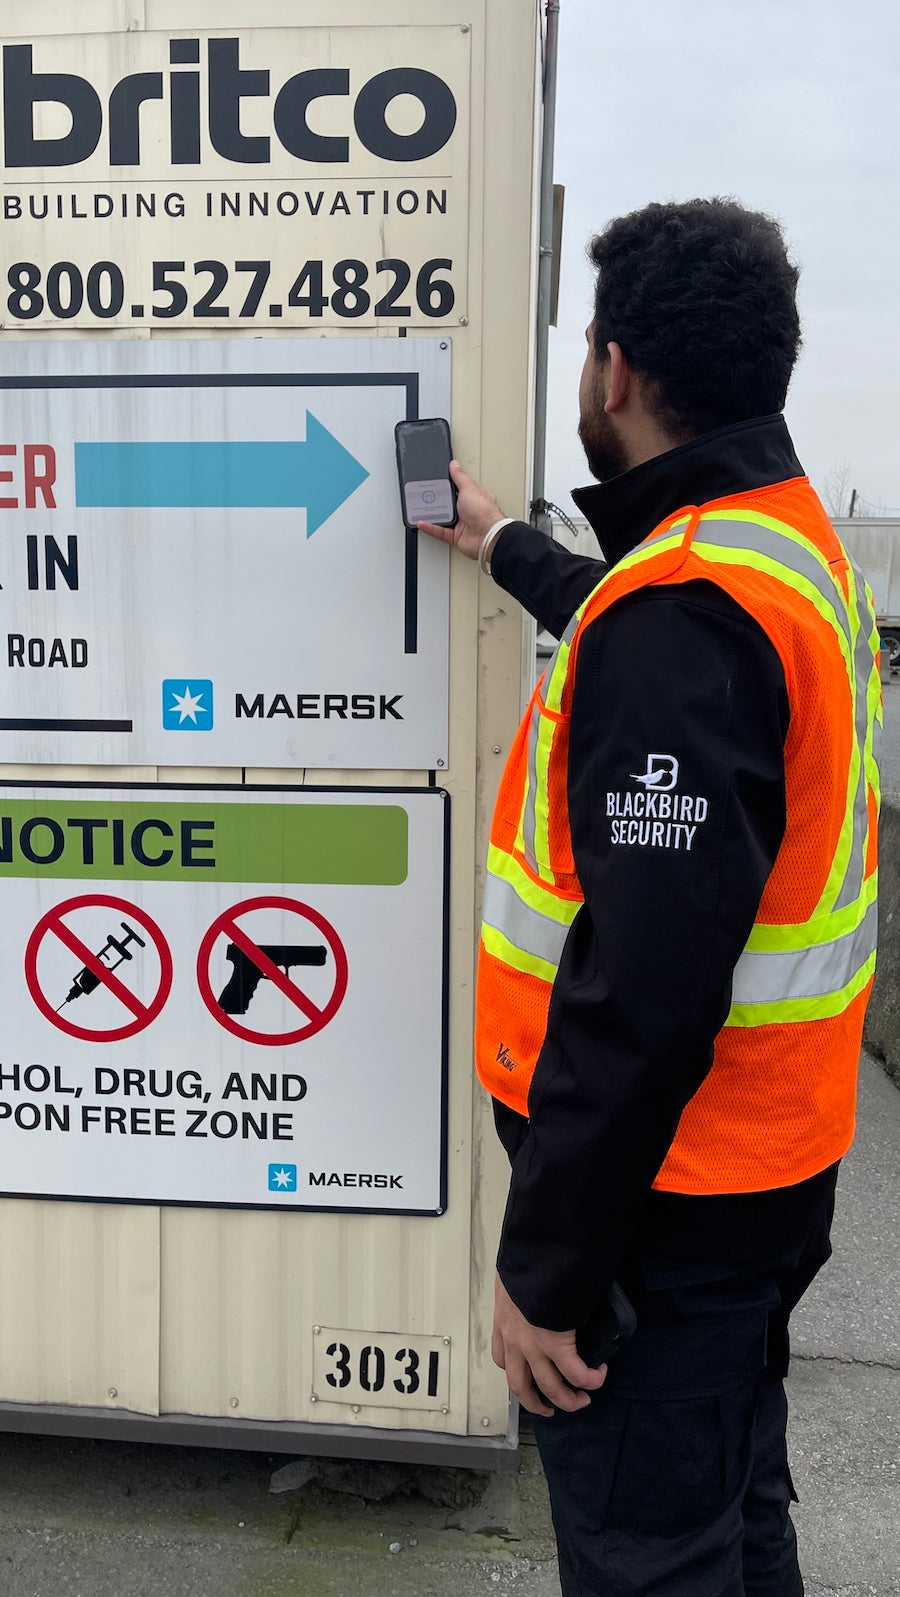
656,816
187,704
282,1178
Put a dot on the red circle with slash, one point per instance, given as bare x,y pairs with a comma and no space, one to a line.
52,924
317,1017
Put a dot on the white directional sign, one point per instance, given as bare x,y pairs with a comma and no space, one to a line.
201,1004
203,560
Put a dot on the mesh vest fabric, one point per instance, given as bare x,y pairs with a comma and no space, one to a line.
778,1104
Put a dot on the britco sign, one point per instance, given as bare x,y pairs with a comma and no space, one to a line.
300,177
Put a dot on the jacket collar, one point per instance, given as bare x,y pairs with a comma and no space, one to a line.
731,460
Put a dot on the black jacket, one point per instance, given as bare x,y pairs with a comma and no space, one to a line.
644,984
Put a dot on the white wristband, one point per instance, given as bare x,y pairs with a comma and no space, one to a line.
484,553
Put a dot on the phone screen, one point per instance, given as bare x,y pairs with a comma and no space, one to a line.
423,461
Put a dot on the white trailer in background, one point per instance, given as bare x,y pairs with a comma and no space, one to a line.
875,547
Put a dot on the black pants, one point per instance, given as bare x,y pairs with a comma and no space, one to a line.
675,1482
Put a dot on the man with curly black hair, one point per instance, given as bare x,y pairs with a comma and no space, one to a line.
678,932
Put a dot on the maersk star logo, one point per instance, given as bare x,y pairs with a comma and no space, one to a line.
282,1178
187,705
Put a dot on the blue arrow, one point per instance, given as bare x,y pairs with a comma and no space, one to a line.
317,475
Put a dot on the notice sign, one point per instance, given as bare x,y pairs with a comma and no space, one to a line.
203,560
224,996
295,177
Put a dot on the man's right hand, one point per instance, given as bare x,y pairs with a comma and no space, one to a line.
477,510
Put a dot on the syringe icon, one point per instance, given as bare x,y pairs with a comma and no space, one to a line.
87,981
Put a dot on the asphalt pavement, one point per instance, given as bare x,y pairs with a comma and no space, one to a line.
100,1519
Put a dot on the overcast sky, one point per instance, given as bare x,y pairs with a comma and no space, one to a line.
792,106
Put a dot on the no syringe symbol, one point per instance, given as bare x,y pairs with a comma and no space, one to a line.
67,923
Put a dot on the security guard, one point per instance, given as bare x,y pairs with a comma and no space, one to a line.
679,920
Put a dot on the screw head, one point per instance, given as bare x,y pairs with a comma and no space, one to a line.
113,1391
464,27
443,344
444,1409
464,321
234,1402
317,1330
495,748
439,763
485,1421
313,1398
446,1341
355,1407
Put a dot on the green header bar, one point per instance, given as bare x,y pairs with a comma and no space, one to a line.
363,845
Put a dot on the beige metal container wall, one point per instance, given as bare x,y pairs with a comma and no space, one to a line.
176,1320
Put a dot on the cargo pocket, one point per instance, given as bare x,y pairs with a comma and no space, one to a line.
671,1471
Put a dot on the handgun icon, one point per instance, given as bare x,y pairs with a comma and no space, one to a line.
246,976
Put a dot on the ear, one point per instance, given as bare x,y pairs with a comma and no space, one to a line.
620,379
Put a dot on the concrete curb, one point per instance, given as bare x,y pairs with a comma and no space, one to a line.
882,1031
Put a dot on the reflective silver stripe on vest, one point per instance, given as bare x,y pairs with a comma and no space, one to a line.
864,664
750,536
529,841
527,928
564,641
805,972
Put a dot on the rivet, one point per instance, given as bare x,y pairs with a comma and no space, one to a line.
464,321
313,1397
113,1391
438,1211
316,1330
446,1341
355,1407
443,344
439,763
495,748
464,27
485,1421
235,1402
444,1409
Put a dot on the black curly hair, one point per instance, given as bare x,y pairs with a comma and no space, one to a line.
701,296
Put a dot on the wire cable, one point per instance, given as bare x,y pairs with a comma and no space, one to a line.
546,507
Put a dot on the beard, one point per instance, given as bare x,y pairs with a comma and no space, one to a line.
606,456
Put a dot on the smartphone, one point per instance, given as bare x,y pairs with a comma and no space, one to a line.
611,1325
423,467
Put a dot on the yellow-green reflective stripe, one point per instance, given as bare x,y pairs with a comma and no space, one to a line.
816,931
545,901
802,558
828,611
782,530
805,972
792,1010
793,553
557,670
725,555
525,928
651,547
851,882
504,950
527,834
543,745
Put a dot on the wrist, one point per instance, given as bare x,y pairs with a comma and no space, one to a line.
489,541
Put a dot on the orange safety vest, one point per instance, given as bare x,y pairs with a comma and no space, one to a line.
778,1103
